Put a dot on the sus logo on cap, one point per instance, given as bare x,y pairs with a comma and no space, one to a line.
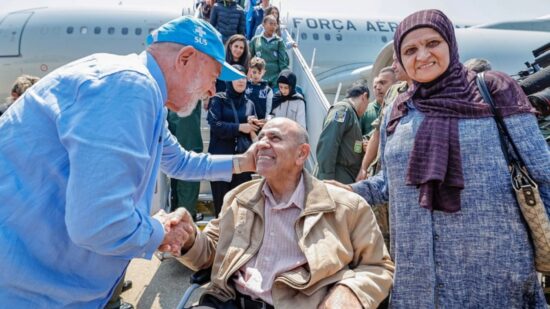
201,35
199,39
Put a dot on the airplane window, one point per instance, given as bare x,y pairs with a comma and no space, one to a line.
97,30
70,30
151,30
338,37
111,30
124,31
316,36
327,36
83,30
384,39
293,35
304,36
138,31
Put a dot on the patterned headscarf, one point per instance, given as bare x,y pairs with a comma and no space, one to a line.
435,164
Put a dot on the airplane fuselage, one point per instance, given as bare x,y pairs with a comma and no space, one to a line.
341,49
38,41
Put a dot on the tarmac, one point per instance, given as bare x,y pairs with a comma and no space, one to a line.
158,285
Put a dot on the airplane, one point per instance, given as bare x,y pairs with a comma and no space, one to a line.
344,50
341,50
36,41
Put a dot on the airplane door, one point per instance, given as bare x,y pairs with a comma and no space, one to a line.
11,29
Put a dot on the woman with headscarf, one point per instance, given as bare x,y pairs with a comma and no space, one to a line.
457,235
225,131
287,102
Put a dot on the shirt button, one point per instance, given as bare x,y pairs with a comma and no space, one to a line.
440,285
271,234
438,263
436,237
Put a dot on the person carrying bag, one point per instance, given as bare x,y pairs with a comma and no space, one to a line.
525,189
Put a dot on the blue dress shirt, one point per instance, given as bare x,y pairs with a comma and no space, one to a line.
79,155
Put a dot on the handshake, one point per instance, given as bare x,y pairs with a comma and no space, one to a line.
179,231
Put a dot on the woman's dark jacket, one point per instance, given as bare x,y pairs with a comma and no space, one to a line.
223,128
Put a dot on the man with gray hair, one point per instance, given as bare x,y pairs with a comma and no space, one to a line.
79,155
478,65
21,84
289,240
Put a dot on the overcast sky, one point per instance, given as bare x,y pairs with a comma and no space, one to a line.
477,11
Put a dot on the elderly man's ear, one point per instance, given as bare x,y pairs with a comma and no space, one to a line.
185,54
304,152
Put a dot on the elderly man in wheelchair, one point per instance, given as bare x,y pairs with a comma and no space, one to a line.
289,240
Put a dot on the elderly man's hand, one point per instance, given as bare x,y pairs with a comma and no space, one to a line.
179,231
339,184
340,297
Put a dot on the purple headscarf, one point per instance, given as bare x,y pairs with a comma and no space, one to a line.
435,164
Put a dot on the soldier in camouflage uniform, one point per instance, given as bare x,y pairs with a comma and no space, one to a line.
340,146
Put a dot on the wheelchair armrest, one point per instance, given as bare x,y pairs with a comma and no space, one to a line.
201,277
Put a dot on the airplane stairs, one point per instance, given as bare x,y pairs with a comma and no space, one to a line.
317,106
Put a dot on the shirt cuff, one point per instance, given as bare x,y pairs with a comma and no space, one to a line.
222,168
156,239
196,252
356,187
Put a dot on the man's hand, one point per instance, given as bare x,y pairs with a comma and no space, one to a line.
179,231
365,143
362,175
340,296
247,160
339,184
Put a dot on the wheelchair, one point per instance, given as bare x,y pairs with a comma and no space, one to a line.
197,280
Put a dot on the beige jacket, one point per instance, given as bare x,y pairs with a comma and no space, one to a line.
337,233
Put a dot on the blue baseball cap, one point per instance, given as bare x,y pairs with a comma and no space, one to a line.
201,35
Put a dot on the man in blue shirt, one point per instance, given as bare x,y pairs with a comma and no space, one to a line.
79,155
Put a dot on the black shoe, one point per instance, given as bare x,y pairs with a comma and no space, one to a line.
126,285
125,305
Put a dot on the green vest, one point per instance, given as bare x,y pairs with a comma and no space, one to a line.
373,110
340,149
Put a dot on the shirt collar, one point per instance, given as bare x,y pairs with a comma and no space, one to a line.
273,37
155,71
348,100
296,200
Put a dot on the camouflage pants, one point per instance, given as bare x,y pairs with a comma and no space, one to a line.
382,217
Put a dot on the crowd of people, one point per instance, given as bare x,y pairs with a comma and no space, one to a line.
236,114
410,204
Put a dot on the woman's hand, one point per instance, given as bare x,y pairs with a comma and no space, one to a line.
260,122
247,128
